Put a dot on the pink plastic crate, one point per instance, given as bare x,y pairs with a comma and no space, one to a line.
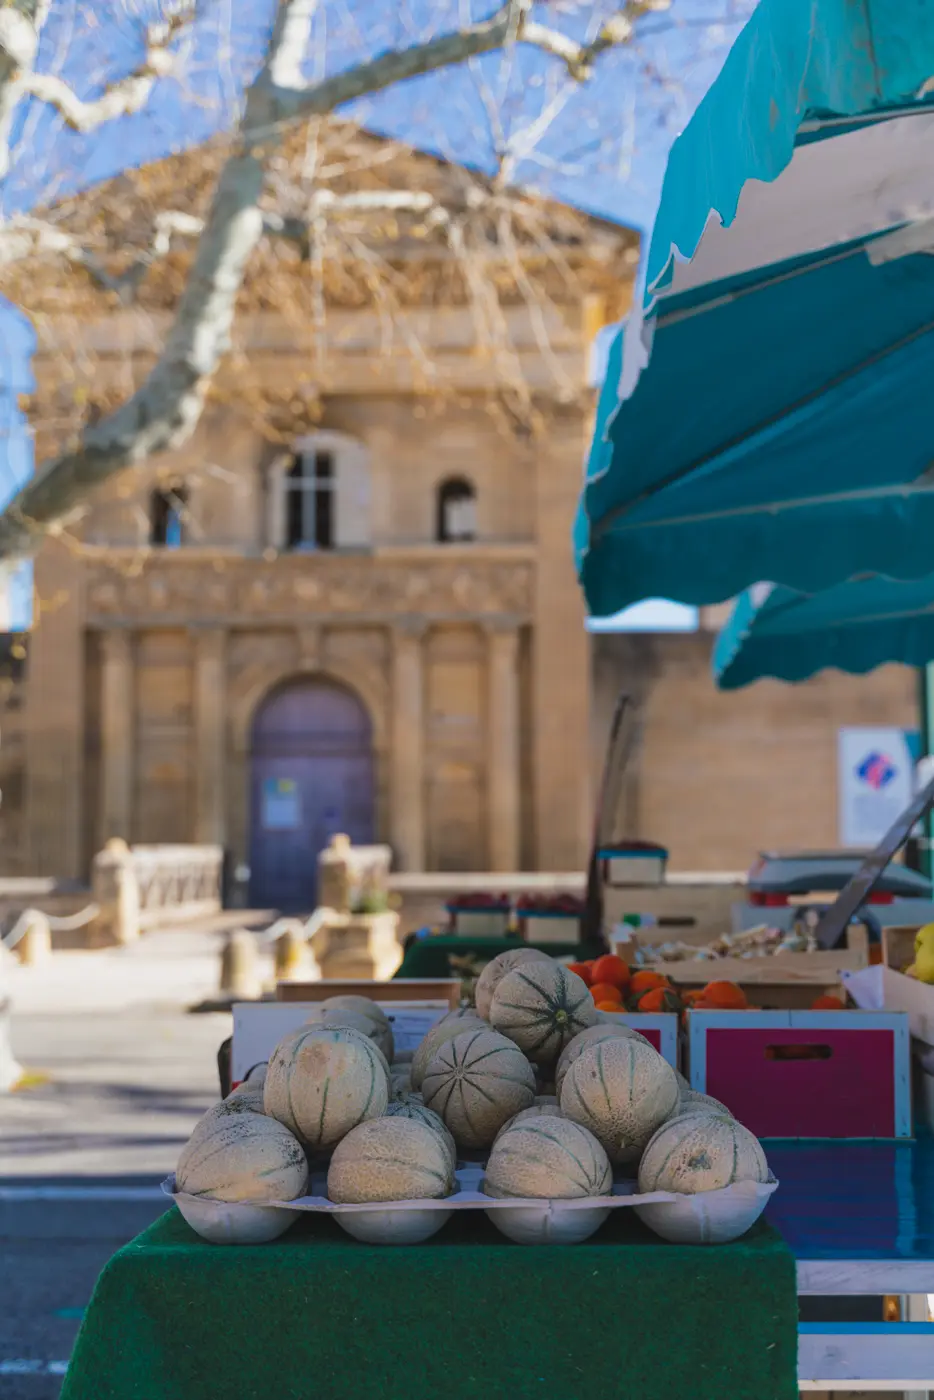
660,1029
806,1074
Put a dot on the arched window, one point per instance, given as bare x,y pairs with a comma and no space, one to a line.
319,495
167,517
457,510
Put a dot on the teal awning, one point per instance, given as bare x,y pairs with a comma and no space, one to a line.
856,626
770,414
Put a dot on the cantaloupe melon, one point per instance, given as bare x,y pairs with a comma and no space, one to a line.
321,1083
418,1113
247,1096
622,1091
476,1081
461,1013
377,1031
390,1159
538,1110
542,1006
431,1043
497,968
400,1078
701,1152
257,1075
242,1157
547,1157
364,1006
582,1042
693,1102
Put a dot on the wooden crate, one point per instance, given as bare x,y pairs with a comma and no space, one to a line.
805,1074
788,982
898,946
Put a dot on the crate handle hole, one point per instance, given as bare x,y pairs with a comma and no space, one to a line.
798,1052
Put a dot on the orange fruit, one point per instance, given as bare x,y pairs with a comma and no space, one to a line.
582,970
827,1003
646,982
612,969
724,996
658,999
609,1006
605,991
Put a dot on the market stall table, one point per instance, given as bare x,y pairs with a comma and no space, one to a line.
859,1219
467,1315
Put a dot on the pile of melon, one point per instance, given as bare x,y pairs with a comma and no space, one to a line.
550,1096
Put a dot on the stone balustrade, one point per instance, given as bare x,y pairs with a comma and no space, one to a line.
177,883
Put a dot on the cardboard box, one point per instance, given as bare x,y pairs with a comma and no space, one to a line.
258,1026
398,989
660,1029
805,1074
477,921
550,928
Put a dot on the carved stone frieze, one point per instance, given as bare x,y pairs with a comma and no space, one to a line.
309,588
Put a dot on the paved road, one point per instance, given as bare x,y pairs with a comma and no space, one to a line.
81,1156
51,1251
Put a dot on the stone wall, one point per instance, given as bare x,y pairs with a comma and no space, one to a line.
469,659
719,776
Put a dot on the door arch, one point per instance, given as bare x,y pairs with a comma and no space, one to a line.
311,776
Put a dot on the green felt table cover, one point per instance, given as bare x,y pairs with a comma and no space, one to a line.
466,1316
431,957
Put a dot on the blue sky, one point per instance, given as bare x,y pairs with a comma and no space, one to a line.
605,150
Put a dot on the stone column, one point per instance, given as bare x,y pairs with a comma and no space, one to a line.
503,746
210,735
116,789
407,794
561,721
54,719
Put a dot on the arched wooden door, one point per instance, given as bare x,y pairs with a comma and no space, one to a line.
311,777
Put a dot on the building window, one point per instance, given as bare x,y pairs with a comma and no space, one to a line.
167,516
457,511
310,484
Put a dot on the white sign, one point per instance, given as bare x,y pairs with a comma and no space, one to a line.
258,1026
282,810
876,782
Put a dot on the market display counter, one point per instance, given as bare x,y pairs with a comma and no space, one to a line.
467,1315
859,1219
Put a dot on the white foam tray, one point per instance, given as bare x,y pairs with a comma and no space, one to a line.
711,1217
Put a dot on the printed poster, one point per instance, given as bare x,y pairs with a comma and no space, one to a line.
876,782
282,808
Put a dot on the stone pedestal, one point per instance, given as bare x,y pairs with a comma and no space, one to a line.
34,944
115,891
353,879
359,946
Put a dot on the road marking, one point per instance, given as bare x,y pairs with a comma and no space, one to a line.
80,1193
33,1368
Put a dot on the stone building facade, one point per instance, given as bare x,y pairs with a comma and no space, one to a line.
348,603
718,777
428,659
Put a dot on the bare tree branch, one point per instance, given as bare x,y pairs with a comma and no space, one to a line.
580,58
165,410
121,99
21,23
